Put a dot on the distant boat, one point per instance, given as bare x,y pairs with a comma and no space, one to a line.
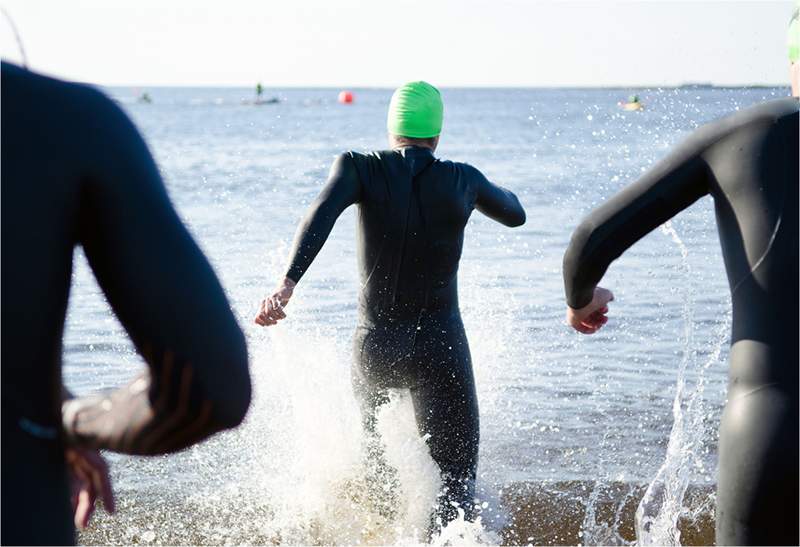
144,98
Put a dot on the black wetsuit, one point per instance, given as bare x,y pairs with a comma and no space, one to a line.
412,210
748,162
76,172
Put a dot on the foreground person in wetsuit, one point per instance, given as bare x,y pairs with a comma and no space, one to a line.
748,163
76,172
412,210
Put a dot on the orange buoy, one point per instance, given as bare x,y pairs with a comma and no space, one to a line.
345,97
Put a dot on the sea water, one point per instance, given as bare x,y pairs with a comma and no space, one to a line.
603,439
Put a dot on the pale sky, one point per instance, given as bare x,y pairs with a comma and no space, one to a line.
381,43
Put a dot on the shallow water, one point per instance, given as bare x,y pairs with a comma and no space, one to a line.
567,421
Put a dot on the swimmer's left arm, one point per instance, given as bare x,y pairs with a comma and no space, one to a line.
496,202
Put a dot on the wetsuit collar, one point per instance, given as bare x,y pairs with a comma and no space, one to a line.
417,157
413,148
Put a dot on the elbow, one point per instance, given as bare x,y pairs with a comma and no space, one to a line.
517,216
582,234
232,396
576,255
580,266
232,413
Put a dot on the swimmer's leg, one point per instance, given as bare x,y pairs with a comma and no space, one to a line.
381,478
757,492
447,410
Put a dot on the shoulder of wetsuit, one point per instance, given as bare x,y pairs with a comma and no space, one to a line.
467,168
53,94
78,118
372,162
356,158
775,108
767,112
381,155
346,162
468,172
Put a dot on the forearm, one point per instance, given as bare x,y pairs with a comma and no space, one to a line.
147,417
584,264
608,231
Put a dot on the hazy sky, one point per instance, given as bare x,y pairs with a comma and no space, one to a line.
384,43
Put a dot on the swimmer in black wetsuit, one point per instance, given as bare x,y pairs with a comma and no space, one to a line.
412,210
76,172
748,163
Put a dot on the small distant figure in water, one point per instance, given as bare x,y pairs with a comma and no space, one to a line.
259,94
145,98
633,103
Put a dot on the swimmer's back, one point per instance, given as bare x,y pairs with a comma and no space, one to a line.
754,178
752,157
413,209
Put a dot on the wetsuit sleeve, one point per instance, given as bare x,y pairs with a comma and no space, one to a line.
669,187
342,190
496,202
165,294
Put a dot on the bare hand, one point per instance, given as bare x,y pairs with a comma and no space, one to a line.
89,481
272,308
590,318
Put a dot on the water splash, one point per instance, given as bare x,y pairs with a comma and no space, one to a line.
662,505
462,532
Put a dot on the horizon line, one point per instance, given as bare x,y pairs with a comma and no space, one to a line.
480,86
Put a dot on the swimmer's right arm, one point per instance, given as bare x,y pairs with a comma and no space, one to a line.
666,189
496,202
342,190
165,294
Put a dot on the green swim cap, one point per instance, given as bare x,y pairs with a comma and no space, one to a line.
416,111
793,37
